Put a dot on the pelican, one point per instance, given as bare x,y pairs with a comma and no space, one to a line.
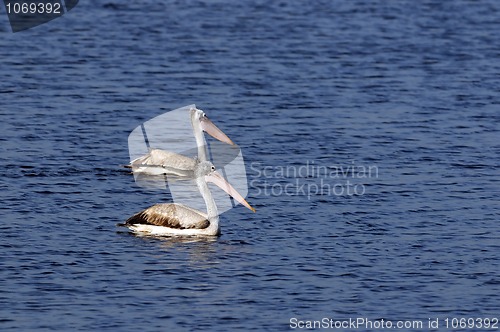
158,161
172,219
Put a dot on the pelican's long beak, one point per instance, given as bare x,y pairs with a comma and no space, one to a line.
218,180
211,129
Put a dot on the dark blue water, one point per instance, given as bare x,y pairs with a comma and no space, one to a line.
410,89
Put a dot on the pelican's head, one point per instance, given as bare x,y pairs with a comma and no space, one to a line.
197,114
206,170
203,168
200,121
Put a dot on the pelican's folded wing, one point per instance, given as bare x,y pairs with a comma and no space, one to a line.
170,215
157,157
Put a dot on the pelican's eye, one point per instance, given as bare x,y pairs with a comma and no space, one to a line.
213,168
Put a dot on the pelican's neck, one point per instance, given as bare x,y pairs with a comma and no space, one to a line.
200,140
212,212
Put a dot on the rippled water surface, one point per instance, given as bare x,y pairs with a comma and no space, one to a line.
307,89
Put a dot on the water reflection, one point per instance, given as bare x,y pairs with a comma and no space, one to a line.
198,248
